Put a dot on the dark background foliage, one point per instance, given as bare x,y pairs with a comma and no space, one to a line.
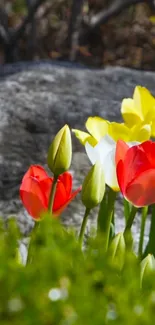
93,32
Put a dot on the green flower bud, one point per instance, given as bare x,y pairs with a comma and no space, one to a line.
18,257
60,152
117,250
93,186
147,267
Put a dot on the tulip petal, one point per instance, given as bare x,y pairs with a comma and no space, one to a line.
109,168
35,171
97,127
135,162
62,207
33,197
60,196
141,132
104,151
121,150
120,175
84,137
119,131
144,103
148,148
130,114
92,153
125,166
100,151
46,185
141,192
67,180
153,128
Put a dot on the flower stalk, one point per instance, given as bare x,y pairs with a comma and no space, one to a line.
83,226
142,230
52,194
109,216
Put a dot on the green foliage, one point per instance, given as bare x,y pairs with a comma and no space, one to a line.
63,285
19,6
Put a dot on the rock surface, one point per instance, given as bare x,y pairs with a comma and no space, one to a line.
35,102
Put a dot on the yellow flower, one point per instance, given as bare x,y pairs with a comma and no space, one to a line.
98,128
138,132
140,110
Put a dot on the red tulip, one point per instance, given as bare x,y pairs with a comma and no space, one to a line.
135,168
35,190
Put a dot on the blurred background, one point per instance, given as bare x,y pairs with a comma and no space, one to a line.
96,33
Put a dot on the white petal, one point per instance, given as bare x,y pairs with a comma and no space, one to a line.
101,150
109,168
133,143
104,151
92,153
106,144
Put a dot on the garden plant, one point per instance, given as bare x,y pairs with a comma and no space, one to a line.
104,280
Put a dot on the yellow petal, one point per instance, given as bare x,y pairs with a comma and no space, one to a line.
119,131
140,133
153,128
97,127
84,137
131,115
145,103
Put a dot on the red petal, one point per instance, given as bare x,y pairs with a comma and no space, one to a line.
120,176
62,208
46,185
135,163
67,180
60,196
33,197
121,150
36,171
149,148
142,191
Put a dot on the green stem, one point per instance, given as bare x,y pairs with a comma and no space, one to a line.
150,249
130,218
52,194
101,215
127,232
126,209
31,244
109,216
83,226
142,230
107,233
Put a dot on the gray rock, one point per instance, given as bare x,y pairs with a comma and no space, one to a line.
35,102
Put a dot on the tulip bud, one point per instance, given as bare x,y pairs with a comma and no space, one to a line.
147,267
60,152
93,186
117,250
18,257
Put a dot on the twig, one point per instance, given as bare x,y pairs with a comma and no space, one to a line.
90,23
10,46
21,29
103,16
74,27
4,29
32,39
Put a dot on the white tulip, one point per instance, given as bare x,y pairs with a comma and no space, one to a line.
104,151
